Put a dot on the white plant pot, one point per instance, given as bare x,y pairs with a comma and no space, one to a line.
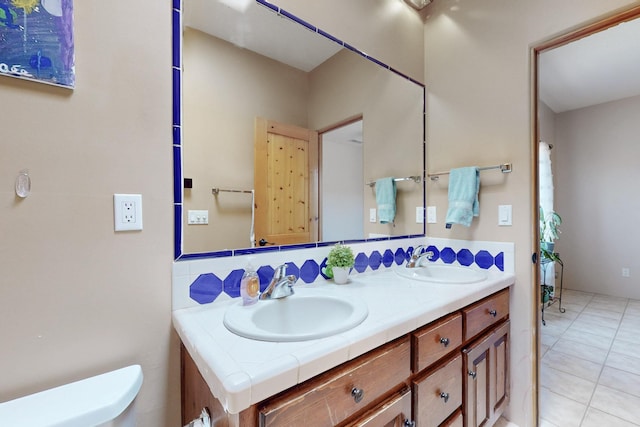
341,274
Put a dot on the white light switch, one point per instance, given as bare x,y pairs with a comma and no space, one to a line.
198,217
419,215
431,215
504,215
372,215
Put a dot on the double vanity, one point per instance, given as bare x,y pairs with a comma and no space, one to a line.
384,350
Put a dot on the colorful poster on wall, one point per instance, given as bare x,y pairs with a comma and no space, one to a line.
36,40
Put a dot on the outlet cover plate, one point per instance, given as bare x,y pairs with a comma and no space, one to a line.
127,212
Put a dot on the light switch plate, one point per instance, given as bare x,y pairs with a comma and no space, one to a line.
419,215
504,215
431,215
372,215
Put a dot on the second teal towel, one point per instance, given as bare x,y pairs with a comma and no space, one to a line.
386,200
464,184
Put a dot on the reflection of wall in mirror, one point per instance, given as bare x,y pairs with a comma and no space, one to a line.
348,85
224,91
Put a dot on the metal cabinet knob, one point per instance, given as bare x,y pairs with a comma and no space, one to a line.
408,423
444,396
357,394
472,374
444,342
493,313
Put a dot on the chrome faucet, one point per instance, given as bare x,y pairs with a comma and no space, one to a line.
281,285
419,254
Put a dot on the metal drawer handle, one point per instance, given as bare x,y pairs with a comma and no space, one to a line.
357,394
493,313
472,374
444,342
408,423
445,396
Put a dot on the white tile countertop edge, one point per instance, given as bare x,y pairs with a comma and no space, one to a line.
241,372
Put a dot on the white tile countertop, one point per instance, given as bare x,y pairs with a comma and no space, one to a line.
241,372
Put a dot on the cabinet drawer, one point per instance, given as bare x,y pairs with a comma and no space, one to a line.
435,341
391,413
485,313
438,394
329,399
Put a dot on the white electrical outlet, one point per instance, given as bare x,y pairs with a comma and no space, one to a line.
127,212
626,272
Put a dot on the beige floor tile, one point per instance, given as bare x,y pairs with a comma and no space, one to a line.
597,418
584,369
602,312
588,338
559,410
597,320
620,380
623,362
567,385
611,305
627,348
614,402
607,299
581,350
548,340
553,329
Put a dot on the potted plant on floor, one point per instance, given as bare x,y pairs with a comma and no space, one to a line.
339,263
549,233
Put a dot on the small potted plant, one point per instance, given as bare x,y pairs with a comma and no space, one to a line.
549,232
339,263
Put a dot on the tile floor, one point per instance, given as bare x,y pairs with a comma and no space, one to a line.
590,362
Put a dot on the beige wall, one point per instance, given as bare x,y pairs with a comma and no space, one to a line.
478,79
596,180
76,298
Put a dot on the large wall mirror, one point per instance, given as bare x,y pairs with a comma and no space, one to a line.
332,121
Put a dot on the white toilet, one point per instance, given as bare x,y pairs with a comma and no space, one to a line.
105,400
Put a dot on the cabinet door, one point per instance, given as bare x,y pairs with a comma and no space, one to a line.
438,394
395,412
486,383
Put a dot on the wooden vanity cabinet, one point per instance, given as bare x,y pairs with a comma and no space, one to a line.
333,397
486,382
453,372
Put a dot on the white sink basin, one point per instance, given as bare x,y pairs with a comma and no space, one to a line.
438,273
300,317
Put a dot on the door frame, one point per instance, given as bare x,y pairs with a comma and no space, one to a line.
583,30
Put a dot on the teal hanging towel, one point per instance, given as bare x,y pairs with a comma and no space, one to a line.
386,200
464,184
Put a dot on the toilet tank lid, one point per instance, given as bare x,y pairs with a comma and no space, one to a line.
87,402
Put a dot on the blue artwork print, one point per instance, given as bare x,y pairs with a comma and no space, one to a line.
36,40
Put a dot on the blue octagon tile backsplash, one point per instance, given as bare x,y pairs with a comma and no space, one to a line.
207,287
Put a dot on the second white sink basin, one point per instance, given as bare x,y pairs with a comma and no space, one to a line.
300,317
438,273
